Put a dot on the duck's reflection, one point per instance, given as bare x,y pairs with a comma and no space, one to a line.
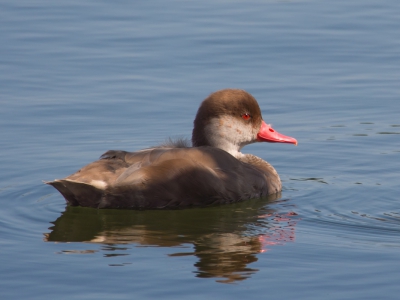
226,239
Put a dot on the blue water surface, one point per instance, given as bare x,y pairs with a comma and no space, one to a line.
79,78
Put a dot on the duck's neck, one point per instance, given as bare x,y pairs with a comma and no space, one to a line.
224,133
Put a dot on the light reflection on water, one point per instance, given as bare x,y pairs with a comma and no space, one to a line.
225,239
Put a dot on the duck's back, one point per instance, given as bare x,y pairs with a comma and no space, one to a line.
168,178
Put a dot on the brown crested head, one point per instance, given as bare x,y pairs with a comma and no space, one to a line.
235,104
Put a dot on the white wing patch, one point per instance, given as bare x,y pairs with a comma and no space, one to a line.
100,184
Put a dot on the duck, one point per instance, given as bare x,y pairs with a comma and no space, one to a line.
211,171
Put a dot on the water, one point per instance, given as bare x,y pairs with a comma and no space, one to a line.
77,79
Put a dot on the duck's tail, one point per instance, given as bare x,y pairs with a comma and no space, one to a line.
78,193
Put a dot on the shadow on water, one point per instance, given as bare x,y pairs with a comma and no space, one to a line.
225,239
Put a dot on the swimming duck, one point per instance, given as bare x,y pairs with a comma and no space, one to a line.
176,175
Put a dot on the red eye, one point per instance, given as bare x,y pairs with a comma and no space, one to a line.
246,117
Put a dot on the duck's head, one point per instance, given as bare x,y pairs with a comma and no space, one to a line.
230,119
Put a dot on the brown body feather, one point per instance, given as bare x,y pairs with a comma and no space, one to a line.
195,177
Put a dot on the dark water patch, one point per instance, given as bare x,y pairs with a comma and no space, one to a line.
320,180
388,132
395,216
88,251
115,255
